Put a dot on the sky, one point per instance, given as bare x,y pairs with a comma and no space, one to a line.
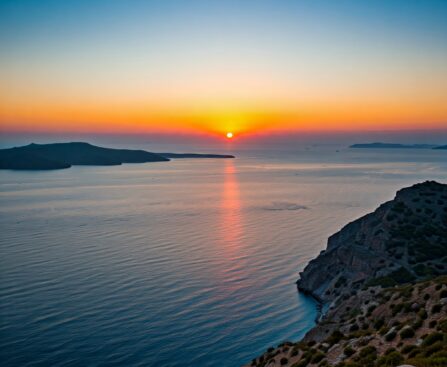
209,67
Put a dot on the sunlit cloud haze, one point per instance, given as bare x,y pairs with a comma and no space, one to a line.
208,67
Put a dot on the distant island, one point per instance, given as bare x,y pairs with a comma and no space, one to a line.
382,283
65,155
194,155
397,146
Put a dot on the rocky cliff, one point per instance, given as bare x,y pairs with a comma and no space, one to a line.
403,240
381,278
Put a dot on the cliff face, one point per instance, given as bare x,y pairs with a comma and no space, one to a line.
403,240
383,277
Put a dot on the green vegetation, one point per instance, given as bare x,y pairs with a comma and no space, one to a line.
349,351
392,359
407,333
399,276
442,325
318,357
433,338
408,315
390,336
423,270
335,337
436,308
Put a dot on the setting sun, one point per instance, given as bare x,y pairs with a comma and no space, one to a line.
229,135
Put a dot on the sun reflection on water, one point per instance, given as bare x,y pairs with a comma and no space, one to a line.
231,225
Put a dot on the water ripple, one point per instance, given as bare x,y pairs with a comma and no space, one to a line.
170,265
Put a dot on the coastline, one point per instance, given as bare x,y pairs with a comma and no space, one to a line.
391,312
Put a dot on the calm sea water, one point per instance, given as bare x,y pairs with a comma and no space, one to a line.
186,263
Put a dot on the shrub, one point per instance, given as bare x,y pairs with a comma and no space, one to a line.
317,357
284,361
370,310
428,362
432,338
434,348
384,282
390,350
436,308
354,313
397,324
423,314
407,307
407,333
364,352
379,323
443,325
335,337
340,282
418,324
402,275
349,351
391,359
390,336
406,291
415,352
408,348
354,327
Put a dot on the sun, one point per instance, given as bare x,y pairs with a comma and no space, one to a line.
229,135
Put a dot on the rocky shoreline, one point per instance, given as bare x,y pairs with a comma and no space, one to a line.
383,283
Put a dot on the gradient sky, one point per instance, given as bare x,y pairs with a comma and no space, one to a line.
216,66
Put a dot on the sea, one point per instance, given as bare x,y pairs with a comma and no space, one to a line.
191,262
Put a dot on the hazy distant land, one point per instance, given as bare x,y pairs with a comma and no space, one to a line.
194,155
397,146
65,155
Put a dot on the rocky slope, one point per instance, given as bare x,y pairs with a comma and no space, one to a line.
403,240
381,279
375,328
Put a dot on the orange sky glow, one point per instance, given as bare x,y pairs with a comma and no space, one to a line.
34,117
209,69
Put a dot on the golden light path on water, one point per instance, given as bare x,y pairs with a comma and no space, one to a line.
232,221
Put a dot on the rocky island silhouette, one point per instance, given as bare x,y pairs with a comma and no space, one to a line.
65,155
